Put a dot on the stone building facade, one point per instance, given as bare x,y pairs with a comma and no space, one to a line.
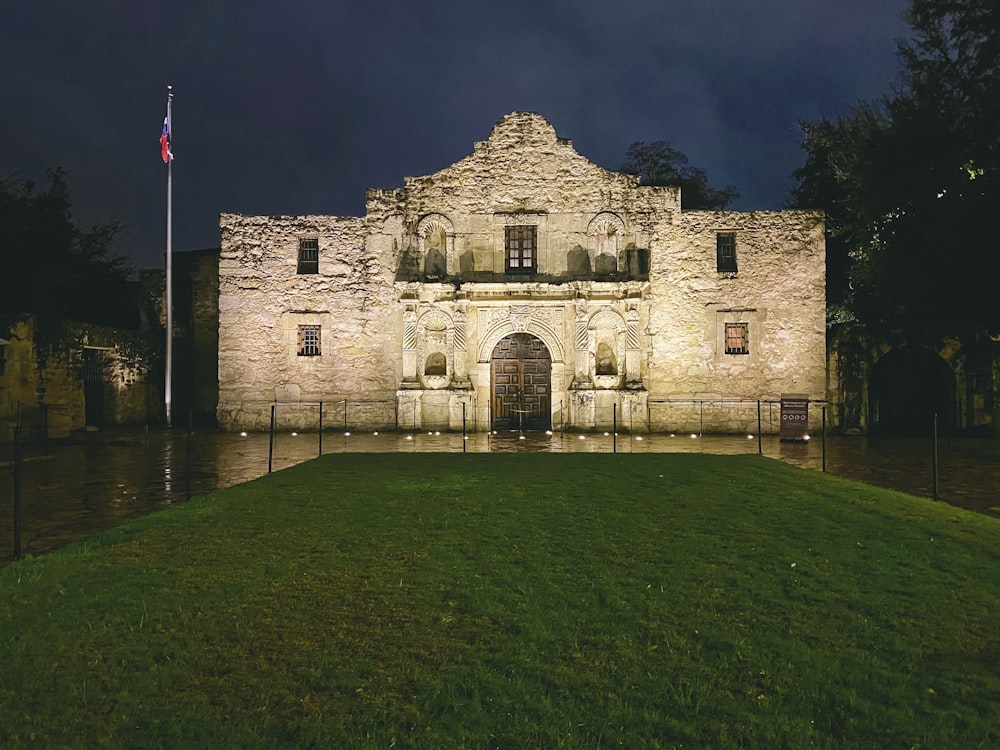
521,287
60,376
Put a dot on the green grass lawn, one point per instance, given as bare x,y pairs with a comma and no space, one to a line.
515,601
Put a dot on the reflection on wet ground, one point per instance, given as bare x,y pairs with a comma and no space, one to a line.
71,489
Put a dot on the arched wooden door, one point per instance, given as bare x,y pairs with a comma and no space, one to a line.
521,384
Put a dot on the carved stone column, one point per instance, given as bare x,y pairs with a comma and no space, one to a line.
410,379
581,373
633,375
460,377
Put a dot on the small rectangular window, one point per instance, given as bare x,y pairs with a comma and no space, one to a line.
309,255
309,341
725,252
737,338
521,244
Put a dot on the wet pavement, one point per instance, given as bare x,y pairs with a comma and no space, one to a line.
94,481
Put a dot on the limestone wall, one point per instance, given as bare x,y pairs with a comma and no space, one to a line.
778,289
625,295
263,300
42,379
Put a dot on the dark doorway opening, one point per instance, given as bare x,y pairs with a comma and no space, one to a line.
521,384
907,387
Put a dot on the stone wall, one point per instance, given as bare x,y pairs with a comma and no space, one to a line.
263,301
779,290
624,295
895,385
42,379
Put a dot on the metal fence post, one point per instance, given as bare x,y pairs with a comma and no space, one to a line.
760,440
934,462
187,456
614,428
321,428
824,439
270,443
17,484
464,438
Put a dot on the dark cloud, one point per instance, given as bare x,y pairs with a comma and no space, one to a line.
300,107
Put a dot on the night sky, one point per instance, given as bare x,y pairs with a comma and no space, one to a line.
300,107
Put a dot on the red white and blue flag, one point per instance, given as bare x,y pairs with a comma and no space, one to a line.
165,151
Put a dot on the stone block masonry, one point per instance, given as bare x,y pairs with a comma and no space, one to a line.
523,287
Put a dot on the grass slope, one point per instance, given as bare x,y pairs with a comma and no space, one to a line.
515,600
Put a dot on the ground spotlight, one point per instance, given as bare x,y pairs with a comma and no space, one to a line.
583,437
243,434
749,437
409,437
376,432
638,437
295,434
693,435
347,434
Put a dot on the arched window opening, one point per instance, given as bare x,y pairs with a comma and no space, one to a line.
607,363
436,364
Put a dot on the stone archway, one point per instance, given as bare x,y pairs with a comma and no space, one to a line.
907,387
520,384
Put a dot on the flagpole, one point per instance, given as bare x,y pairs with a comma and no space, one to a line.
170,291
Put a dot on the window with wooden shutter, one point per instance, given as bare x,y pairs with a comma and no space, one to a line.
737,338
521,243
725,252
309,341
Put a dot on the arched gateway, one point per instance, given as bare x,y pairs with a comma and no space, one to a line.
520,384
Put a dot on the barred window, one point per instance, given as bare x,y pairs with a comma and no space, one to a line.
737,338
309,255
725,252
309,338
521,242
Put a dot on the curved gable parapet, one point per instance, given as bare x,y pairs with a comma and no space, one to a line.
519,164
524,128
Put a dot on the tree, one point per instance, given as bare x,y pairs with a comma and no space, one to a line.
844,160
52,266
910,183
659,163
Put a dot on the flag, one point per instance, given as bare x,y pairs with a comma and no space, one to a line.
165,151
